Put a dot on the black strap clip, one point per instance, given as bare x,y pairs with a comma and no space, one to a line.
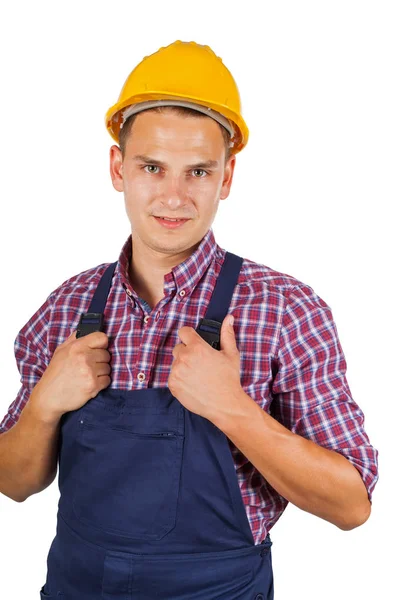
209,330
89,322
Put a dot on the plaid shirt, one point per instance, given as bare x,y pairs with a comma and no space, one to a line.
292,363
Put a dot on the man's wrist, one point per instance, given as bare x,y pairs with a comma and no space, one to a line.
40,408
241,407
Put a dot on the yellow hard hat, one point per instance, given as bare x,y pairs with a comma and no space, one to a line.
186,74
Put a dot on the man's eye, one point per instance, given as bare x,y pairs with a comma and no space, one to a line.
202,170
155,167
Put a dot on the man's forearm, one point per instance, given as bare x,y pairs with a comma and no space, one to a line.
28,452
315,479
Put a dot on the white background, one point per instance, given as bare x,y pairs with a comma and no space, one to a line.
315,194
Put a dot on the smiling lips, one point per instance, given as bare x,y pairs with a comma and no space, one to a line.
172,218
170,223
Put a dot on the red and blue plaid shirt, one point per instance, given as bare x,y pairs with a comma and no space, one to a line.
292,363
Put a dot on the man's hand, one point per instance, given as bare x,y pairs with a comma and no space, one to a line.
205,380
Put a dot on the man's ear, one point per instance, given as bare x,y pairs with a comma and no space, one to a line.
228,175
116,168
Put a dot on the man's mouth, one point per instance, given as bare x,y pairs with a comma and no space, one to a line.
170,222
170,219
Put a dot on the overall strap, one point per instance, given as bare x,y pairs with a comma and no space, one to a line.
99,299
93,319
210,326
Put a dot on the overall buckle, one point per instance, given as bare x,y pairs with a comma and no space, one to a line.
209,330
89,322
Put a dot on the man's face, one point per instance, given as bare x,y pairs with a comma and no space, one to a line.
171,182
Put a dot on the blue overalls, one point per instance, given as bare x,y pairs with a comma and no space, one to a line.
150,507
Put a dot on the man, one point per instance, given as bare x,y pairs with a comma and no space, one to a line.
181,436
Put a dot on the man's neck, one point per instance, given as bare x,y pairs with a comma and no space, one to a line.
147,269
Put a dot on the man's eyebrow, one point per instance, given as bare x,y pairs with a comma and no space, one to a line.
208,164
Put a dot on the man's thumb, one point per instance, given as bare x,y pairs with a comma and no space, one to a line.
227,337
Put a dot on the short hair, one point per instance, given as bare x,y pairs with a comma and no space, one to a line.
180,110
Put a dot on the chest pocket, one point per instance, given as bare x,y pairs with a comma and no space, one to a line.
128,466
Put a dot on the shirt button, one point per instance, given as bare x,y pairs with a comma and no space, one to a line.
147,317
157,315
182,293
129,292
141,376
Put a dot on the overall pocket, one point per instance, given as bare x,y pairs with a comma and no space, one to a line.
128,473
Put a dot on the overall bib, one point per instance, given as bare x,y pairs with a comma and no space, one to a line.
150,507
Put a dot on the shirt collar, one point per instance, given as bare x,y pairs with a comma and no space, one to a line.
183,278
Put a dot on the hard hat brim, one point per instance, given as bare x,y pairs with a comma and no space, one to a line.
114,119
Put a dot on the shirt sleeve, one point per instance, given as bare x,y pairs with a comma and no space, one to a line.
311,395
31,355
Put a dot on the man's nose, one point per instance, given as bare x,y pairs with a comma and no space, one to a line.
174,191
